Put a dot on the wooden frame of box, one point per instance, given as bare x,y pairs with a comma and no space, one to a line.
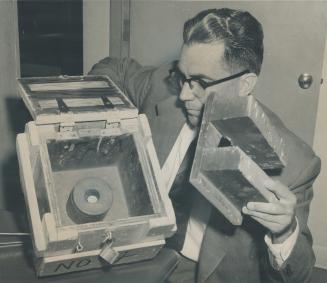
85,127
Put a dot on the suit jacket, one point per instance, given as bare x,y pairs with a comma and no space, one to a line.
228,253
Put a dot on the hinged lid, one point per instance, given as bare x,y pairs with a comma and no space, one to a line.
75,99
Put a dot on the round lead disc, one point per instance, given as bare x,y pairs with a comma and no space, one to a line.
91,199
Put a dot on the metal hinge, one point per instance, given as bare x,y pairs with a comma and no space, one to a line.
67,131
112,124
66,127
111,128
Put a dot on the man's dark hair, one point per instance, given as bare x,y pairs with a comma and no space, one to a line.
241,33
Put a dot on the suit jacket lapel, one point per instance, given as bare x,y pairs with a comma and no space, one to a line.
211,254
166,120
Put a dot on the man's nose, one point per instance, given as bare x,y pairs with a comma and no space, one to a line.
186,93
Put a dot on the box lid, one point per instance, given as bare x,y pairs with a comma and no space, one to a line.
74,99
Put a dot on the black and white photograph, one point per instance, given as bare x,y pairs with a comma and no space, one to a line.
163,141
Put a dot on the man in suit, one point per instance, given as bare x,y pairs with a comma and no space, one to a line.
222,52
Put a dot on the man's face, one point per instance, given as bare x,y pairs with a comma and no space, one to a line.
203,62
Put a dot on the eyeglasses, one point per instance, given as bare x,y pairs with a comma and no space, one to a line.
182,78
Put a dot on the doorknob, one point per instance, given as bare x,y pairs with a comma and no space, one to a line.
305,80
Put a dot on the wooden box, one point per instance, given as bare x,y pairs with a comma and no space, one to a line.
238,150
90,176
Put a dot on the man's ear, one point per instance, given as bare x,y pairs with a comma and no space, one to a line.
247,84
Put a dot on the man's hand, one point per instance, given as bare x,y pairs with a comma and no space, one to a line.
278,215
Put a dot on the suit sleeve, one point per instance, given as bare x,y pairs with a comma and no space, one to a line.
299,265
133,79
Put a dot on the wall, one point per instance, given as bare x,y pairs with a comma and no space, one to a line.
13,114
96,25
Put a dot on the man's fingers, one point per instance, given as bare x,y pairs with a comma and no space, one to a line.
281,191
269,208
278,219
271,197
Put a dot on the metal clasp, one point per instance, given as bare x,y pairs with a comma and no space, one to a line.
108,253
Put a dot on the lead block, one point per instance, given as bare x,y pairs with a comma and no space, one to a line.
237,152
